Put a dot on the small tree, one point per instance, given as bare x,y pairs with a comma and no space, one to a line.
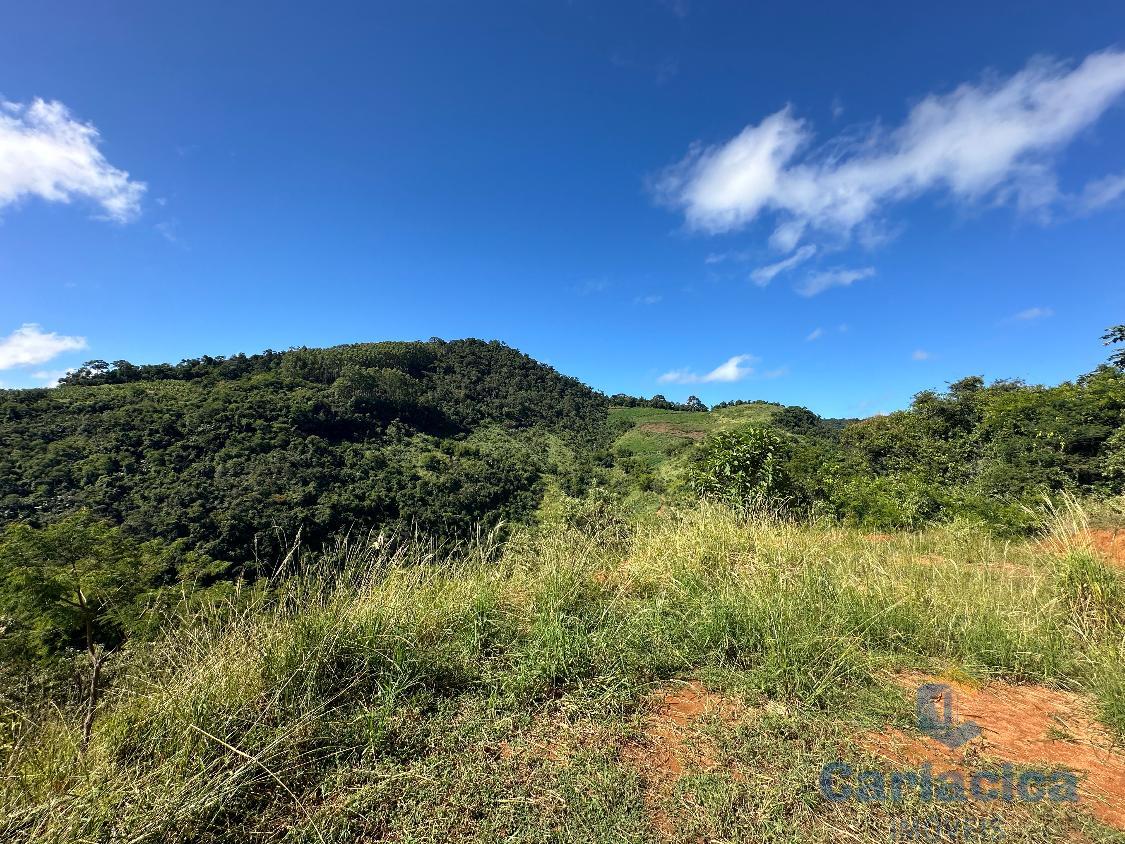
72,584
1116,335
695,404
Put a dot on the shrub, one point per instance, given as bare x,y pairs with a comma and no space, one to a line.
741,467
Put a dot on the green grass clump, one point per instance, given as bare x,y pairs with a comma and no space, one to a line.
397,691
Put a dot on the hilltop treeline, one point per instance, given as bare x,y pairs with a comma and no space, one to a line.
792,417
236,455
984,451
693,405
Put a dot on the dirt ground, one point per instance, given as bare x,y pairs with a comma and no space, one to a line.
1026,725
1109,545
670,744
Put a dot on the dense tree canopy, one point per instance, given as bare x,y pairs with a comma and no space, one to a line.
236,455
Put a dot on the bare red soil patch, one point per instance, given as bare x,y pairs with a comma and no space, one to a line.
1110,545
671,743
1025,725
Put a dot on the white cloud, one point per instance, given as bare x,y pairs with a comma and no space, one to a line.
1032,314
1101,192
722,257
921,354
839,277
815,334
45,152
652,299
734,369
51,377
29,345
991,141
764,275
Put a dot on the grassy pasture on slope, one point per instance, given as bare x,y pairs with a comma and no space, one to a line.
502,692
656,436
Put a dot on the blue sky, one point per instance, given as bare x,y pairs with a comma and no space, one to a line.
834,205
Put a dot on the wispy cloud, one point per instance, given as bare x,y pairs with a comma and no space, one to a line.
764,275
29,345
1031,314
591,286
723,257
652,299
815,334
995,141
45,152
1102,192
52,377
679,8
921,354
168,229
839,277
734,369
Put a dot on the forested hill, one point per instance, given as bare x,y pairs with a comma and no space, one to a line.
235,455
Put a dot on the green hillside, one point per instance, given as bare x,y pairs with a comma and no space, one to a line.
683,680
655,435
239,456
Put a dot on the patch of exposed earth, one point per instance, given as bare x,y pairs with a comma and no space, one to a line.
669,745
1032,726
1106,543
672,745
1109,545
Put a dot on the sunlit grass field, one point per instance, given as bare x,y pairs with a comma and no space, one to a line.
658,435
398,691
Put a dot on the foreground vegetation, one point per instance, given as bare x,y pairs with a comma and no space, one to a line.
397,690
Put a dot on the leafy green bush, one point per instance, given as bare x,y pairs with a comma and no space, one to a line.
742,467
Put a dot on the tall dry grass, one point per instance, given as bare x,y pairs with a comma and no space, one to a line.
244,720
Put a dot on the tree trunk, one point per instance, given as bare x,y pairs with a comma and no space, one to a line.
97,657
